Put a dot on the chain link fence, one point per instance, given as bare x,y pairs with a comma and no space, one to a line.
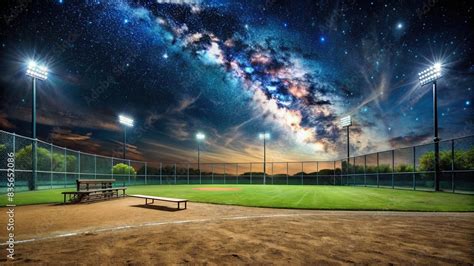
405,168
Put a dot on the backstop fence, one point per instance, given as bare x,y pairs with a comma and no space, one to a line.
405,168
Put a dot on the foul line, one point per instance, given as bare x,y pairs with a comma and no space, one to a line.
125,227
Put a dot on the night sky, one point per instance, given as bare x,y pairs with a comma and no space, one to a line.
233,69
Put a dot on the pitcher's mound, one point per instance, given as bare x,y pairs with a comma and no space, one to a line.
216,188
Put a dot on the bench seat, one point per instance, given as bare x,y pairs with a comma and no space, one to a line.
153,198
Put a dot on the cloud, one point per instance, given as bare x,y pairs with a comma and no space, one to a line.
4,123
410,139
66,135
57,118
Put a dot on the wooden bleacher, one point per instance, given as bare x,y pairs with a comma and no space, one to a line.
94,189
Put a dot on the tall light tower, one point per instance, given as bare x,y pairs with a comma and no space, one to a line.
126,122
264,136
199,137
430,76
347,122
36,72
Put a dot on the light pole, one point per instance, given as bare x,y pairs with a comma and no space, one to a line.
430,76
126,122
35,71
347,122
264,136
199,137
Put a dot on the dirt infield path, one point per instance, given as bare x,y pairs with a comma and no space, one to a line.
126,232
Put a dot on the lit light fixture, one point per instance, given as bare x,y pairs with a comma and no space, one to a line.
37,71
264,135
430,75
346,121
127,121
200,136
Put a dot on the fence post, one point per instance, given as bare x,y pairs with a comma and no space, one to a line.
95,166
146,181
354,175
200,174
112,168
237,173
250,173
51,164
347,172
453,186
188,174
302,167
414,167
365,170
393,169
175,174
161,173
287,181
79,164
378,171
65,168
272,173
317,173
35,163
224,173
129,166
212,174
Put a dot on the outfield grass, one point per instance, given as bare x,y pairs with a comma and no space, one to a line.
303,197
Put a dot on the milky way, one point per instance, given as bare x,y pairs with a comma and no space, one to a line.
290,94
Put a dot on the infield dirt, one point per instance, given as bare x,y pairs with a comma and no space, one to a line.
124,231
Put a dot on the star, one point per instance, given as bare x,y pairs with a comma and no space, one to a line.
400,26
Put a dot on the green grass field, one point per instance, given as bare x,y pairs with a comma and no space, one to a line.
303,197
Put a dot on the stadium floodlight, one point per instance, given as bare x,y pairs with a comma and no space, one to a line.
264,136
199,137
346,122
126,122
430,76
35,71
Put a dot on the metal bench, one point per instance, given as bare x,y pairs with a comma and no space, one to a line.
153,198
